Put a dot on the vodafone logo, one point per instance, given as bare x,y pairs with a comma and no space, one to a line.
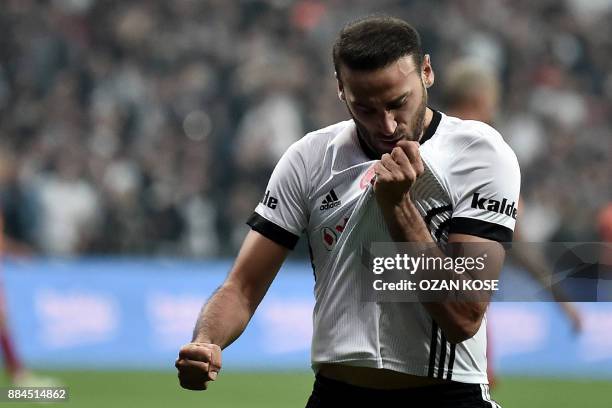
367,178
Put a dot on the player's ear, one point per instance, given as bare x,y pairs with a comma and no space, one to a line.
340,89
427,73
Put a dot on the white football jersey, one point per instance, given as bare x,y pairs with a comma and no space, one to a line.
321,186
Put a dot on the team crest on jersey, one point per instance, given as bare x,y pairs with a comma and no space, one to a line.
366,178
330,236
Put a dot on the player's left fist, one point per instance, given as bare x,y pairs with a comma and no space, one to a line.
397,171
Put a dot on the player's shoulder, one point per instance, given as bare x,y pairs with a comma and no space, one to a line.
316,142
461,131
328,133
472,137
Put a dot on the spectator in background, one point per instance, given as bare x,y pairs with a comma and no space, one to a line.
18,209
69,208
136,90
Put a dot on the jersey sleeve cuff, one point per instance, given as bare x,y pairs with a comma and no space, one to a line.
272,231
482,229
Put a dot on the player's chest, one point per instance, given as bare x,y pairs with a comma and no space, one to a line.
335,198
333,203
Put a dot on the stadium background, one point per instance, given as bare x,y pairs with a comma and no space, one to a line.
147,129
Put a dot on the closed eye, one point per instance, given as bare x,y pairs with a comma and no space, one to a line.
364,110
397,105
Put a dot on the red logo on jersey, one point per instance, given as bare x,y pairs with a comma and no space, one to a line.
367,178
340,227
330,236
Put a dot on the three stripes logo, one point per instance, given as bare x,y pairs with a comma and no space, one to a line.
442,366
331,200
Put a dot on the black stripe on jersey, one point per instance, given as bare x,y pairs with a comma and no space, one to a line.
435,211
442,356
333,195
272,231
432,348
314,272
441,228
451,362
479,228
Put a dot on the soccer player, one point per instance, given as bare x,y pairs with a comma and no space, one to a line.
471,91
12,364
396,171
17,374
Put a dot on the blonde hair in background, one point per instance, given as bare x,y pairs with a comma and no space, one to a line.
471,90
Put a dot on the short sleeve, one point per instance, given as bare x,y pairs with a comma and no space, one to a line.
486,181
281,215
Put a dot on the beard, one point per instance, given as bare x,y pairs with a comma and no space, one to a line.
412,132
418,124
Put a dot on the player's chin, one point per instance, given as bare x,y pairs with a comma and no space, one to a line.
384,146
412,137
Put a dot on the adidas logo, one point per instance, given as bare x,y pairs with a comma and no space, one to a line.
330,201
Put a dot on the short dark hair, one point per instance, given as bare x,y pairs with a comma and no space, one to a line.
375,42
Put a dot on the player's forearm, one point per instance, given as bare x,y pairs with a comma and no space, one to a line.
404,221
224,317
459,320
227,313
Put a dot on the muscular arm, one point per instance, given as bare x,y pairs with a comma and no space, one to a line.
396,172
225,316
227,313
459,320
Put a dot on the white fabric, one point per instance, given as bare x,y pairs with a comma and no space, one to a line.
462,158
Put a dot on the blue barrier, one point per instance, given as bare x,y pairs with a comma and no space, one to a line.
135,314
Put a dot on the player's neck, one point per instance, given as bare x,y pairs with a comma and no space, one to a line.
427,122
430,124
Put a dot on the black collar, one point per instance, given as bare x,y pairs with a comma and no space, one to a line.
433,126
429,132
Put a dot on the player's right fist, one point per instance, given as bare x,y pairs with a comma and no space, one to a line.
197,364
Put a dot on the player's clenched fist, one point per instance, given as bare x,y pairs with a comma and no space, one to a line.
397,171
197,364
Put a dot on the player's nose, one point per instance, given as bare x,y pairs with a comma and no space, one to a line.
387,123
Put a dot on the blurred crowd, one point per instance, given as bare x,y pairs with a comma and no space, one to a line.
151,126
